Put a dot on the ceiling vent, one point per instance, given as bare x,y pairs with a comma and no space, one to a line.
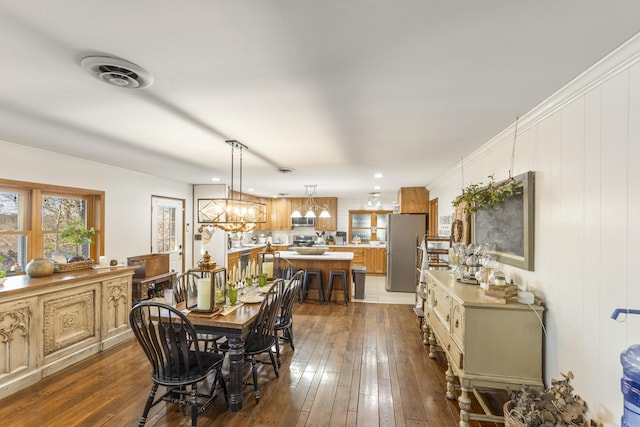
116,72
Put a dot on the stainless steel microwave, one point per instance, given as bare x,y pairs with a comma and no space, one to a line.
303,222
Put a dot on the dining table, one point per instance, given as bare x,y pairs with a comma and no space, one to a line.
234,322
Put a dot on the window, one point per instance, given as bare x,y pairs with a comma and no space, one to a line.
59,213
13,232
369,225
33,216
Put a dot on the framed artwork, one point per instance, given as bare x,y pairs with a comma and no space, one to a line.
510,226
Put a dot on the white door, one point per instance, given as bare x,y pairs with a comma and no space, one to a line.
167,219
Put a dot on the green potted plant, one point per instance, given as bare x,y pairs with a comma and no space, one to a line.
76,233
477,197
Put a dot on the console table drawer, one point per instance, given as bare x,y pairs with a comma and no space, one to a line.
442,307
444,340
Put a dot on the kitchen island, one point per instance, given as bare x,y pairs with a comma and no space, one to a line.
325,263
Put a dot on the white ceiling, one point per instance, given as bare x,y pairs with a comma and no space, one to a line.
335,89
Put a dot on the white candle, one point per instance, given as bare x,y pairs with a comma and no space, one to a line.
204,294
267,268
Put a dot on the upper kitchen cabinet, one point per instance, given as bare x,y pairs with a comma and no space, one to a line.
327,224
413,200
280,214
368,225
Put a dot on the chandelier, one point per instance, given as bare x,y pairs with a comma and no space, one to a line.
310,206
374,200
230,214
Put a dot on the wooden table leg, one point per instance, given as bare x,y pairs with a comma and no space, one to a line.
236,362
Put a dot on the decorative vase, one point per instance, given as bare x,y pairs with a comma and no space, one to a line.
39,267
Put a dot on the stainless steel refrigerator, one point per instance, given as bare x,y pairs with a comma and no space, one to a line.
401,250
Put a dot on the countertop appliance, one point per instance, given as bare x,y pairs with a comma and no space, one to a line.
341,237
401,250
302,240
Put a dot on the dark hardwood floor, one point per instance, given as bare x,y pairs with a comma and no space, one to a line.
361,365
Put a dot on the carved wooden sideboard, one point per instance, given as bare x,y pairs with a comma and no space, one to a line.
49,323
488,345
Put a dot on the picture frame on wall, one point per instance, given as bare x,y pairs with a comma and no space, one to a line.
509,225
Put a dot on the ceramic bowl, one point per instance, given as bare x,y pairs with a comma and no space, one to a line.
311,250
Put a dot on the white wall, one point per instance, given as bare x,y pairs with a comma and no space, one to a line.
217,245
584,146
127,194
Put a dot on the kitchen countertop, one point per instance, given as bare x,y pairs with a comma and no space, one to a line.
246,247
327,256
250,246
359,245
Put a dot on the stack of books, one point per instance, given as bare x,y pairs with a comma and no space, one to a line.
501,294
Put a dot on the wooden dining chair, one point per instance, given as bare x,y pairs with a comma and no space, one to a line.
284,321
167,337
182,285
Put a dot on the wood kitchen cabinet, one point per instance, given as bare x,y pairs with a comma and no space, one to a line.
281,214
375,259
413,200
232,259
358,253
327,224
488,345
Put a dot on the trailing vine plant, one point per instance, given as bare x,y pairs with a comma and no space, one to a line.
477,197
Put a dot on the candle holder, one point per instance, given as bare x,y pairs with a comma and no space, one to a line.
209,293
268,261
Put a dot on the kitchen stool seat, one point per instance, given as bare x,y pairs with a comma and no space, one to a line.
309,274
333,275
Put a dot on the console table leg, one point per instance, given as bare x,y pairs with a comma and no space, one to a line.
450,382
465,405
425,332
433,344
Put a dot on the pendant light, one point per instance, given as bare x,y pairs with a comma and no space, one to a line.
231,214
310,206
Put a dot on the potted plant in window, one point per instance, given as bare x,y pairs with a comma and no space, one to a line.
76,233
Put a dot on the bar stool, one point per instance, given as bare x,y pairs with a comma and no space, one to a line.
308,275
333,274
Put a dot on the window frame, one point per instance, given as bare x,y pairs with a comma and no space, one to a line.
33,193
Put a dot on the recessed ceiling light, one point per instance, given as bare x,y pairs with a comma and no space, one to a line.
378,175
376,187
251,189
215,179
